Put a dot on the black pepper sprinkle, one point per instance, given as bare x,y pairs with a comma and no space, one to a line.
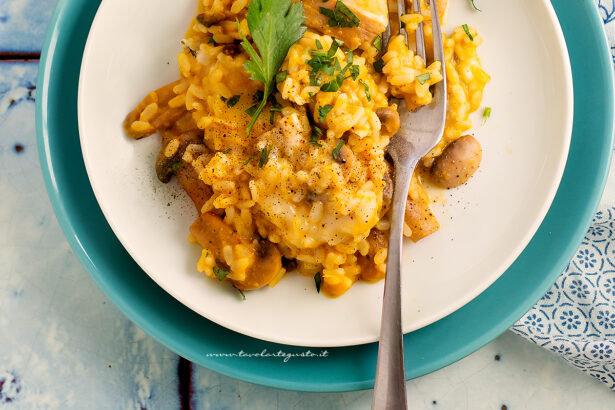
497,358
504,407
18,148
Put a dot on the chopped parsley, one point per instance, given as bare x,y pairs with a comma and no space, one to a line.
275,25
264,156
378,65
243,295
316,134
422,78
341,16
486,114
336,150
467,30
318,44
333,85
275,107
231,102
367,93
226,151
176,166
220,273
281,76
378,42
250,159
317,281
474,5
323,111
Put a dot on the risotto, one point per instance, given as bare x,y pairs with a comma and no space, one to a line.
304,185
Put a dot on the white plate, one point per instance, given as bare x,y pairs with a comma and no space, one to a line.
132,49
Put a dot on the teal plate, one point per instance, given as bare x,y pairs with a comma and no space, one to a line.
347,368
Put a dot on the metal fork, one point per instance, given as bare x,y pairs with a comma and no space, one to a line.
419,133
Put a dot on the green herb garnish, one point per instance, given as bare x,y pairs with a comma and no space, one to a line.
316,134
323,111
231,102
281,76
336,150
176,166
220,273
422,78
378,43
226,151
243,295
474,5
317,281
318,44
486,114
367,93
341,16
250,158
264,156
378,65
467,30
275,25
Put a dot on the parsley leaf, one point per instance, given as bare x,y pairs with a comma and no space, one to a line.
474,5
317,281
264,156
422,78
275,25
367,93
231,102
378,65
176,166
467,30
323,111
336,150
378,42
250,159
486,114
220,273
281,76
341,16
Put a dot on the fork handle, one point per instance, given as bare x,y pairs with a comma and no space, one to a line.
390,384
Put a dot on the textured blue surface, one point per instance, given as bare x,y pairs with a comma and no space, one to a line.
348,368
23,24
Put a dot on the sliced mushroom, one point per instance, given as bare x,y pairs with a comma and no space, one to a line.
420,219
169,157
196,189
389,118
266,266
377,240
457,163
345,155
213,234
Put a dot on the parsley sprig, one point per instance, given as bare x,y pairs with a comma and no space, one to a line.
275,25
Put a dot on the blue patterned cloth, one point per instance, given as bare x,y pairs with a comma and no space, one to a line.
576,317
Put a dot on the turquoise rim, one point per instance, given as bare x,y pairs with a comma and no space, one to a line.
348,368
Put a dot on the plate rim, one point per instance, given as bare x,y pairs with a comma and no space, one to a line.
358,337
54,44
